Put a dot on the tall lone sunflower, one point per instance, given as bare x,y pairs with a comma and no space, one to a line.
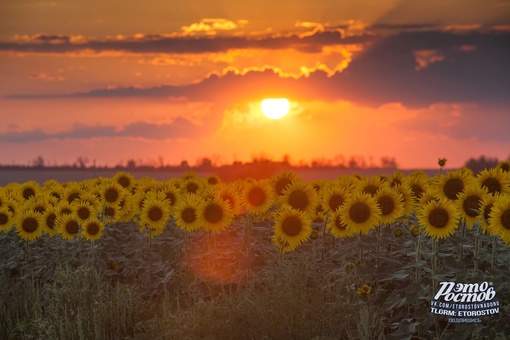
292,227
439,219
361,213
29,225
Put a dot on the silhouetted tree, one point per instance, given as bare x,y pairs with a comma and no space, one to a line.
39,162
477,165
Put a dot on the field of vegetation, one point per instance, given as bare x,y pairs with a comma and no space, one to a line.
400,256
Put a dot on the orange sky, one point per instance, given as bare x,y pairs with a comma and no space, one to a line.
164,82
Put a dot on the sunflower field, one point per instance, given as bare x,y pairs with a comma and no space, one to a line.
359,257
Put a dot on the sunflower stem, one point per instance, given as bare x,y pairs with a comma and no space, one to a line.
150,257
477,245
434,264
494,246
463,235
324,238
418,255
360,248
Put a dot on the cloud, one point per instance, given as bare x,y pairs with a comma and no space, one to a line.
175,44
179,128
417,68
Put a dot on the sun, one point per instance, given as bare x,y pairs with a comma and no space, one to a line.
275,108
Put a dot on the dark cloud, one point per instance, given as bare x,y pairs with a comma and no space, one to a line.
184,44
472,66
180,127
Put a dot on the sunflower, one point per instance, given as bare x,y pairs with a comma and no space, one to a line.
361,213
230,194
257,197
486,208
39,202
300,195
280,180
185,213
67,226
370,185
6,221
469,203
213,179
333,197
427,196
336,226
419,183
439,219
112,213
72,191
215,215
495,180
154,214
92,229
452,184
407,197
49,219
29,225
390,201
282,246
63,208
126,180
83,210
29,189
397,178
191,185
111,192
171,193
53,188
126,209
505,166
499,218
291,226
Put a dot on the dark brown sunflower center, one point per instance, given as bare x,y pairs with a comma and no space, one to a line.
505,167
387,205
339,223
72,227
40,209
471,206
417,190
124,182
72,197
109,211
212,180
281,185
492,185
111,195
438,218
298,199
335,202
213,213
370,189
93,229
155,214
4,218
505,219
256,196
170,196
192,187
29,225
453,187
359,212
395,182
188,215
83,213
50,220
28,192
292,225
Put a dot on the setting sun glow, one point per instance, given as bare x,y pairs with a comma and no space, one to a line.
275,108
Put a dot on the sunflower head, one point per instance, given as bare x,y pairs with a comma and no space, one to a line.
215,215
257,197
361,213
495,180
92,229
300,195
29,225
6,221
292,226
439,218
282,179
